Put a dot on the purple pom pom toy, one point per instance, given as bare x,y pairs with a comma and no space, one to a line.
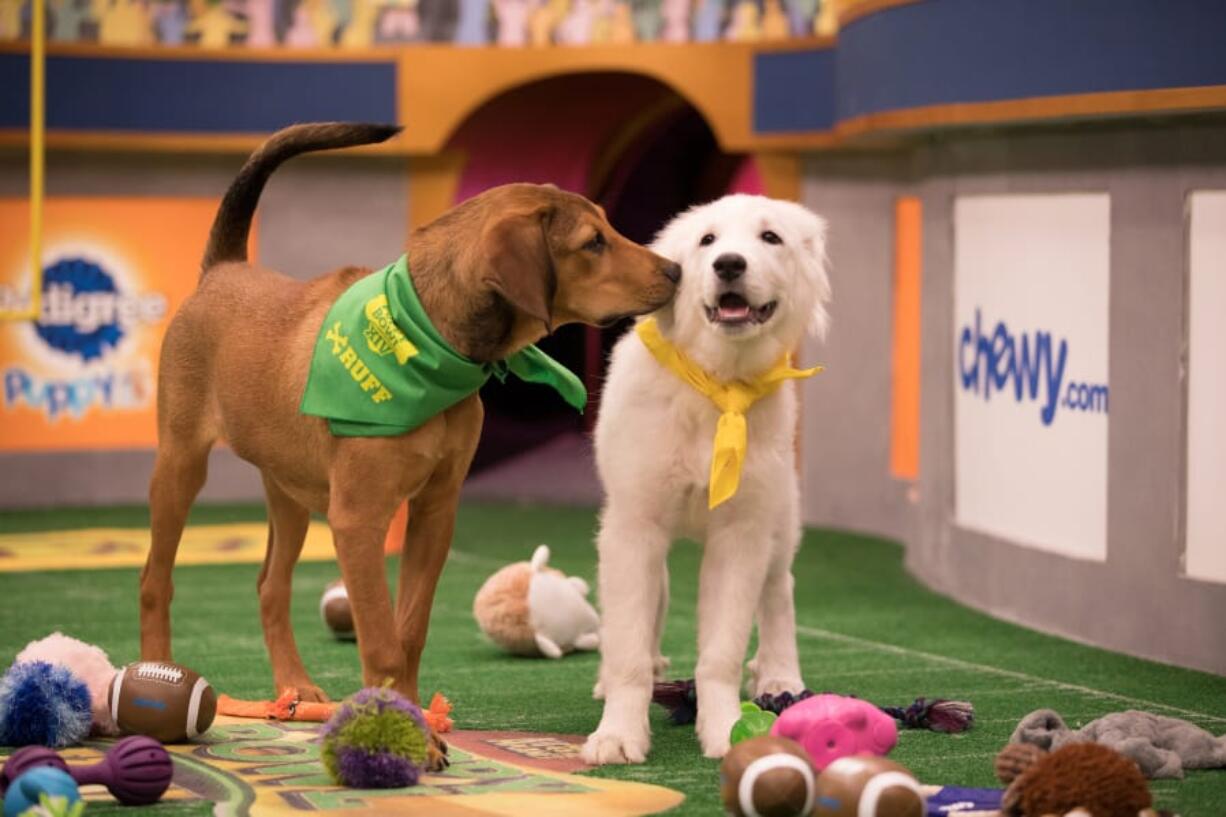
377,739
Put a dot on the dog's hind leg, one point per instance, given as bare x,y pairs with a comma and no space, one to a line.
287,528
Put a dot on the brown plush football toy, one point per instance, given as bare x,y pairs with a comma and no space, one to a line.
767,777
1086,776
165,701
867,786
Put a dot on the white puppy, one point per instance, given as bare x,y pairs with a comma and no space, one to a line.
753,282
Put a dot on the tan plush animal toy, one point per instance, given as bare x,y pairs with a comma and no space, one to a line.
528,608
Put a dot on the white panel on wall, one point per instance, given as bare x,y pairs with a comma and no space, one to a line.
1031,296
1206,519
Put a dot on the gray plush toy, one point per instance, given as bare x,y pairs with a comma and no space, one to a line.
1161,746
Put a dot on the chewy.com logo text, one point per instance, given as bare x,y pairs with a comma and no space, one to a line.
1029,362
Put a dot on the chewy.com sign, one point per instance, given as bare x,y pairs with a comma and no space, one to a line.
1031,397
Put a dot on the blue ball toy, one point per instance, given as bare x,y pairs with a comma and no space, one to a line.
43,704
24,792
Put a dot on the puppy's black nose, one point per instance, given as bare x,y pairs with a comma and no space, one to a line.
729,266
673,273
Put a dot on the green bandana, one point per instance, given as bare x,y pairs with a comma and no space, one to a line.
380,367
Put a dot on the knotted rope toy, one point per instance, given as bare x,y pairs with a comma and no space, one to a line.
680,699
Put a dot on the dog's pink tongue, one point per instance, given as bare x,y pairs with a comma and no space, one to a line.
733,308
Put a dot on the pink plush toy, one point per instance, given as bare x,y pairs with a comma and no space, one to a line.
87,662
834,726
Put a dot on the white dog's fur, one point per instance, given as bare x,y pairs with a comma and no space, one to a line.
653,451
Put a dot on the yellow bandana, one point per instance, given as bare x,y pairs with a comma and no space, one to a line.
732,399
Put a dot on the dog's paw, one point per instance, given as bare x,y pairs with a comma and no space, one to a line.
605,746
306,692
436,753
714,746
714,728
313,694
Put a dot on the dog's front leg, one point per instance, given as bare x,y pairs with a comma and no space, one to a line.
361,504
632,558
427,539
776,667
730,584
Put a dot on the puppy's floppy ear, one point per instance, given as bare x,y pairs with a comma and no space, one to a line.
673,242
519,263
814,264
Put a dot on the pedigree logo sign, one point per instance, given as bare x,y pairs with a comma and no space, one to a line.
83,375
1031,395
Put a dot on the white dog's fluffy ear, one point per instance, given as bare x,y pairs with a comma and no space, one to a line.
673,242
814,265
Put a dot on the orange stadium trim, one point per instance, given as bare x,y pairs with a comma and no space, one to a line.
908,275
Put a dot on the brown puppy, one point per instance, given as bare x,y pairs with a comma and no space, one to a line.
495,274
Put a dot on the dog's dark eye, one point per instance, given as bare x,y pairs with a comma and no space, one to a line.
771,237
596,244
707,240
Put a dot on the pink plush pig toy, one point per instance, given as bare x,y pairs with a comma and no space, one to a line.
834,726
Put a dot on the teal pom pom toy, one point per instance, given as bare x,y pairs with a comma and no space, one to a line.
377,739
43,791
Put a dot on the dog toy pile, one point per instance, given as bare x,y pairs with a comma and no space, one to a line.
528,608
136,770
43,704
1161,746
378,739
680,699
61,690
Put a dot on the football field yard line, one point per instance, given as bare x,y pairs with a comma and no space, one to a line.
827,635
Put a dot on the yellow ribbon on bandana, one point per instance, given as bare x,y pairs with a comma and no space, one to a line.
733,399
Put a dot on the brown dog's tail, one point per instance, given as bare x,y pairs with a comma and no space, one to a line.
228,238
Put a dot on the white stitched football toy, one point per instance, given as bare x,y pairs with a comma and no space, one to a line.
767,776
165,701
868,786
334,609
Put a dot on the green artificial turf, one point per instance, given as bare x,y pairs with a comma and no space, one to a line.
866,628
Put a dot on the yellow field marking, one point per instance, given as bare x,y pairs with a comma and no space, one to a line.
126,547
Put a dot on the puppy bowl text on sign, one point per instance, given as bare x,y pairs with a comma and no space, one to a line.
85,317
83,374
1029,363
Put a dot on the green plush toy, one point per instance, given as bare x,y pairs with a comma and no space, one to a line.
755,721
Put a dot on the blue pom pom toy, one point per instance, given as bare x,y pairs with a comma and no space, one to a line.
43,704
26,791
